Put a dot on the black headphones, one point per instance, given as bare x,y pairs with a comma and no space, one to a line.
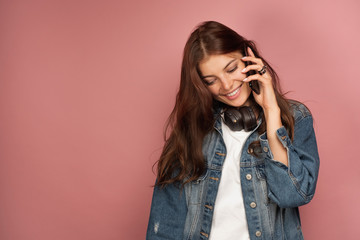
240,118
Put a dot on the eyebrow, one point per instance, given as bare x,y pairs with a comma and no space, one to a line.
223,69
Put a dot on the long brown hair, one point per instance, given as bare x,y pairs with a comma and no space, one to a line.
182,160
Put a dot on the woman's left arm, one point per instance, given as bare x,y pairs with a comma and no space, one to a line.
294,184
273,123
291,167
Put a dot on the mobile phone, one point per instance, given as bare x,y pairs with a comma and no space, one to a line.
254,84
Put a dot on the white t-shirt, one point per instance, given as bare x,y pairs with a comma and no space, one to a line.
229,219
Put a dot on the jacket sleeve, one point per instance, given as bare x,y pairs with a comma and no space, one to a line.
293,185
167,214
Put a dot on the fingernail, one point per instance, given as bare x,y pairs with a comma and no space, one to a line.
245,79
243,57
244,70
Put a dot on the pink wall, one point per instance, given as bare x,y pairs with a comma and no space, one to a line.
86,86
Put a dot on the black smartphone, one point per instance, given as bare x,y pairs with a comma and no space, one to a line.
254,85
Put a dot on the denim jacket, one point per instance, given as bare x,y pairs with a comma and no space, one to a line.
271,190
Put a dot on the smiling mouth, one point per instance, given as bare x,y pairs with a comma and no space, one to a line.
233,92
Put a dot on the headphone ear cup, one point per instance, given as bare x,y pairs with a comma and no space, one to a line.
248,117
239,119
233,119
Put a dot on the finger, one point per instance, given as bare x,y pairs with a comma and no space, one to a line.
255,67
255,77
252,59
250,52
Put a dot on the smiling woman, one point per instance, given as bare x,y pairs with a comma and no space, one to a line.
240,157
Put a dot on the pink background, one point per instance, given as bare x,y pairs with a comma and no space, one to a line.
86,87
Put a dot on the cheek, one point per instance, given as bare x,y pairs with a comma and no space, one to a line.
246,90
214,90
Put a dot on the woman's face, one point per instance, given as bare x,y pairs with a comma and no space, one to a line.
223,77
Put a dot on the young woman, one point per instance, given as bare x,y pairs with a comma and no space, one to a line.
240,157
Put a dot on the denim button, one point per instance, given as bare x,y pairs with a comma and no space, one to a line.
250,150
248,176
258,233
265,149
253,205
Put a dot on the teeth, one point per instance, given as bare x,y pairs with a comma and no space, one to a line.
233,93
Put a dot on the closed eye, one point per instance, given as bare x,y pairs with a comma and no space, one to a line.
233,69
208,83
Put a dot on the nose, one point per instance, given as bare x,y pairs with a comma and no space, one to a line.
226,83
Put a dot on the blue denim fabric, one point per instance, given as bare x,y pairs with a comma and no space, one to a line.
272,191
